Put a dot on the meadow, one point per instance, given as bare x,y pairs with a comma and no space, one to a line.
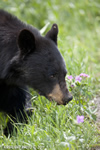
70,127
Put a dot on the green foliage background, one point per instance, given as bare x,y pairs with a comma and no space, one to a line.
54,127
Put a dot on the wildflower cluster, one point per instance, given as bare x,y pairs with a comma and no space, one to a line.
77,79
77,83
80,90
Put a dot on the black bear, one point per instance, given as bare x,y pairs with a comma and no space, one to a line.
28,59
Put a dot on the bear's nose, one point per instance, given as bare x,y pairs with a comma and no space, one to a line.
70,98
67,100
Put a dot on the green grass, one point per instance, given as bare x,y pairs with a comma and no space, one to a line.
53,127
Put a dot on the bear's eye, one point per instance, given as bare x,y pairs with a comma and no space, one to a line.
53,75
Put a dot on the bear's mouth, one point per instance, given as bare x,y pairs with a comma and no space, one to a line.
50,98
42,94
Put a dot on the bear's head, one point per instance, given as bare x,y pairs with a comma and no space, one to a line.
41,66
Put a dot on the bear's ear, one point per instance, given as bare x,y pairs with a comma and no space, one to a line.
26,42
52,33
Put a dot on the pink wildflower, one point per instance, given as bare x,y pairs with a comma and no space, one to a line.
70,77
80,119
78,79
84,75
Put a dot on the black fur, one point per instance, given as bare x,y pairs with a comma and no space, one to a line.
28,59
